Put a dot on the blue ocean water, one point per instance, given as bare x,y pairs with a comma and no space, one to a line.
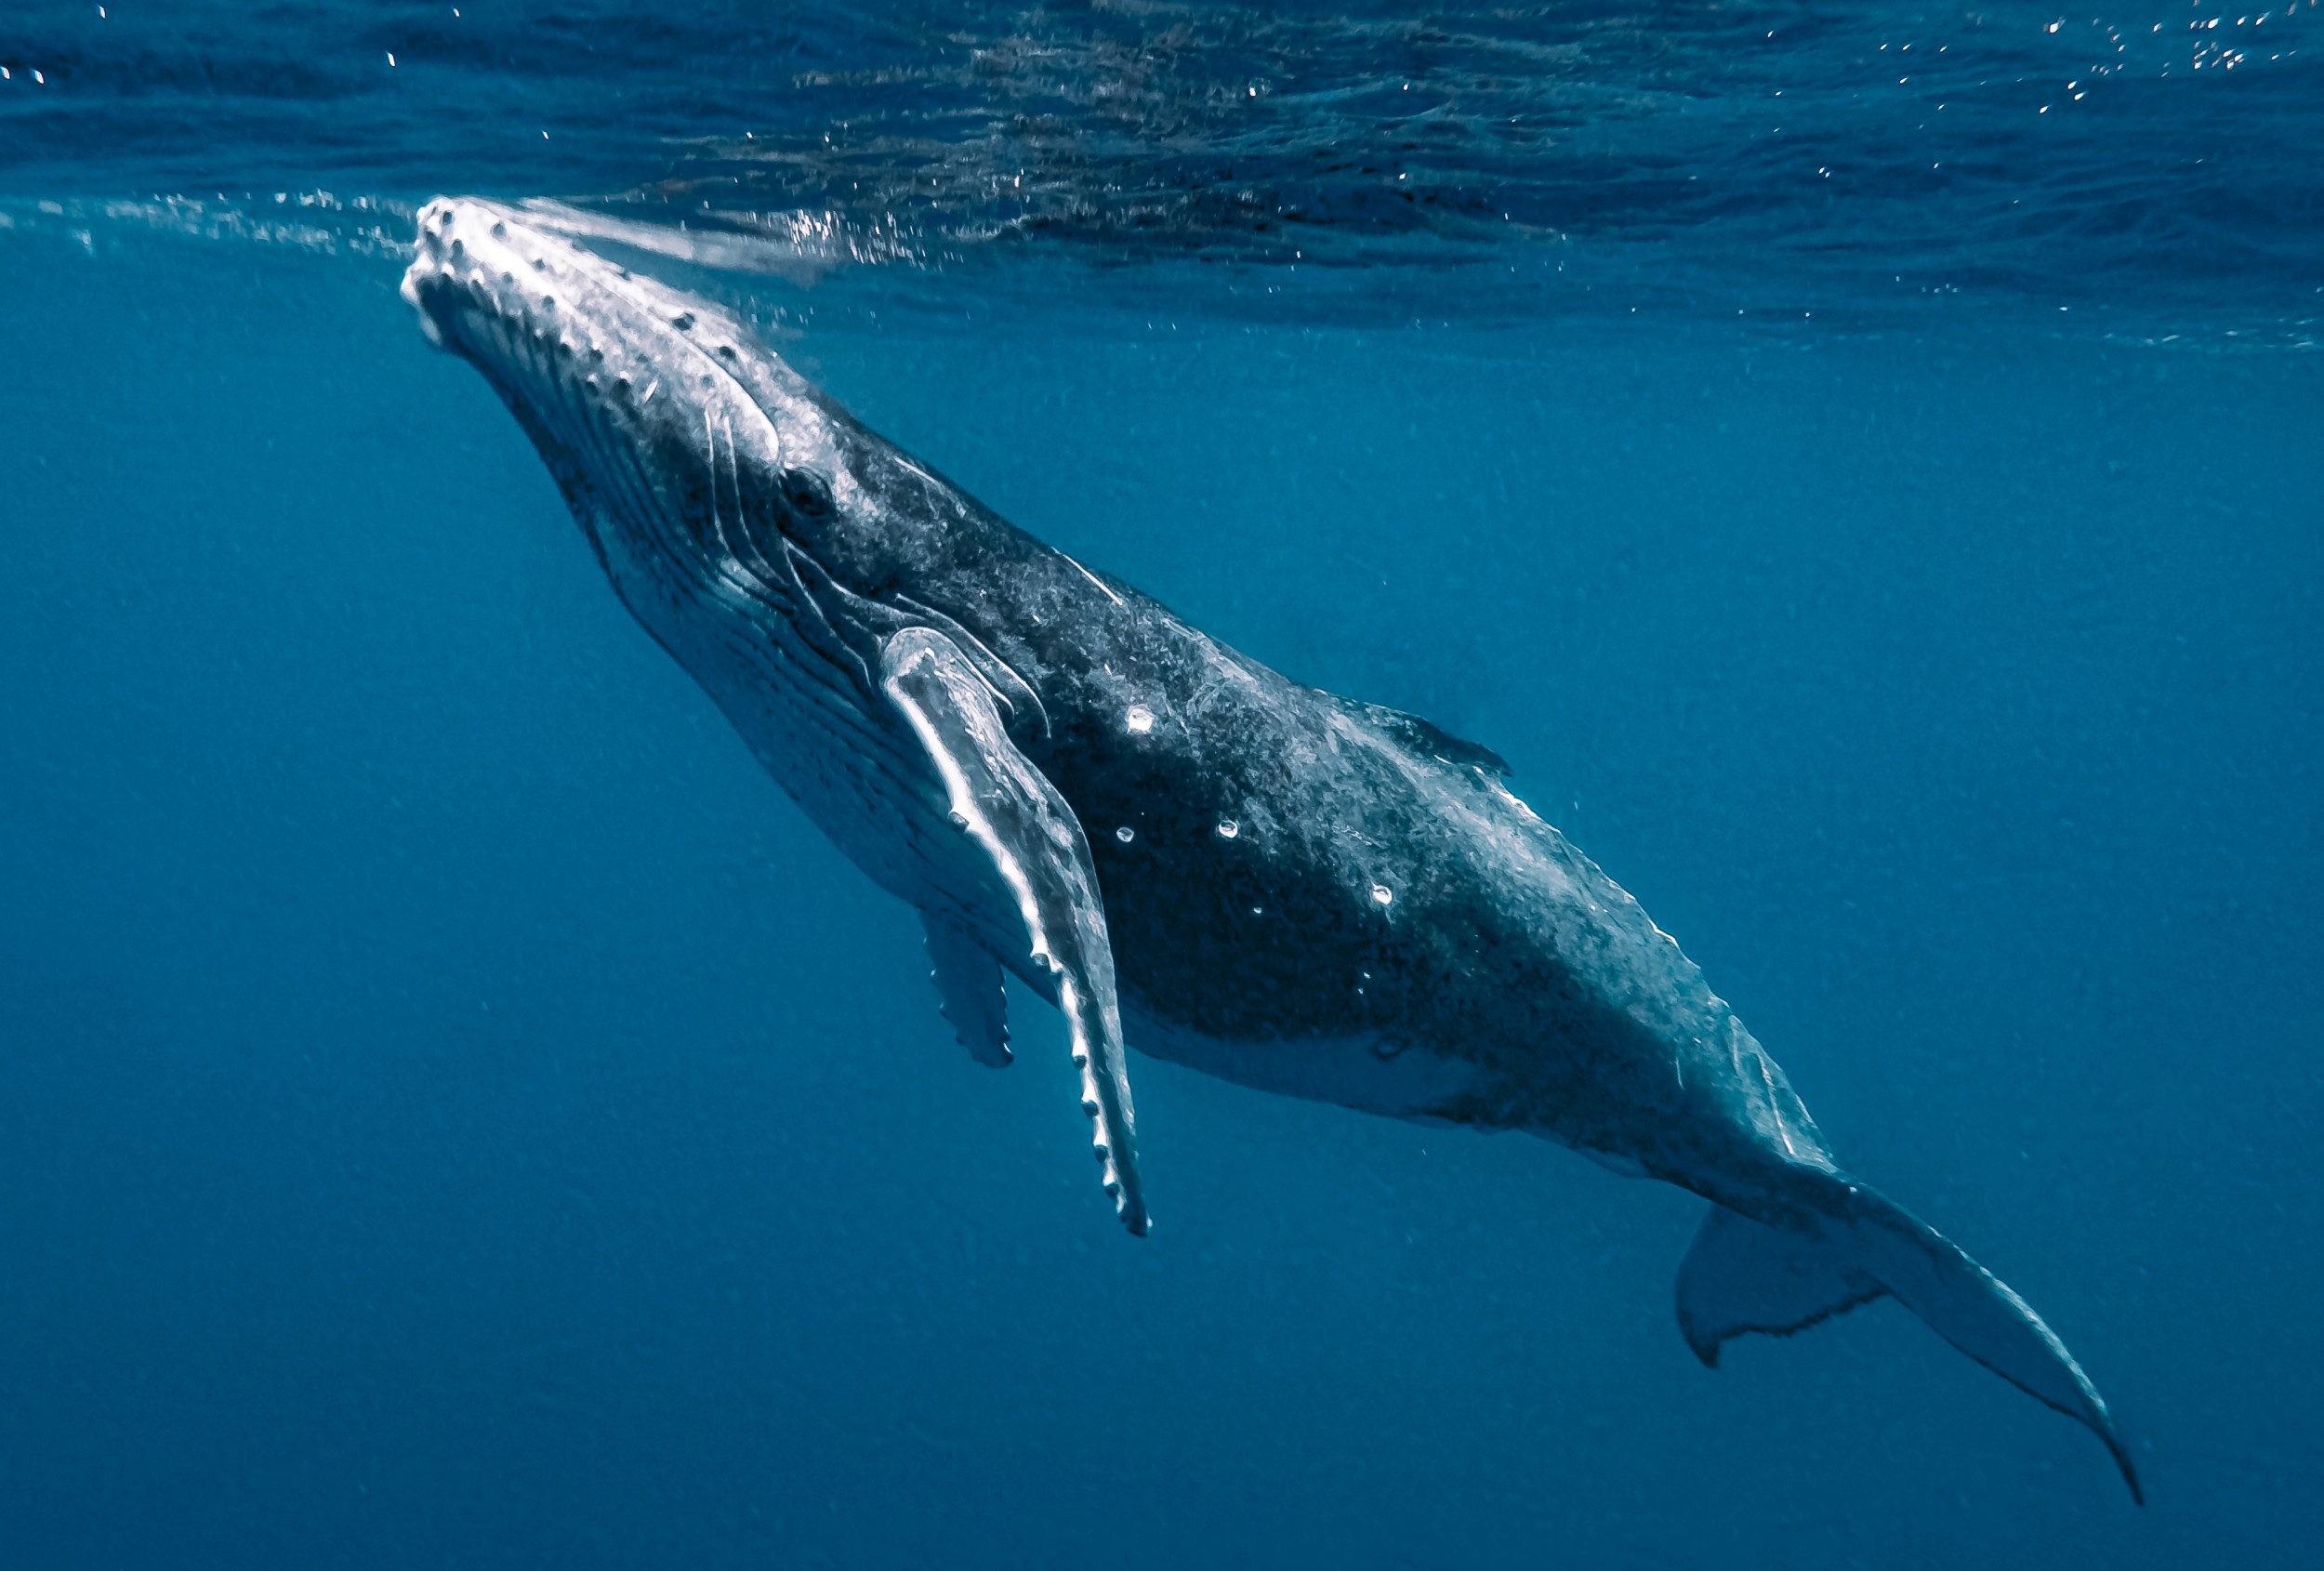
454,1110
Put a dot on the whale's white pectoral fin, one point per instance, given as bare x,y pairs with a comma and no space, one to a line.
1019,819
968,988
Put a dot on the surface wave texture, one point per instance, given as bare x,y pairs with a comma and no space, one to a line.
454,1110
1880,151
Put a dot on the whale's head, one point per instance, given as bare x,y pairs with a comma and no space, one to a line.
674,433
707,472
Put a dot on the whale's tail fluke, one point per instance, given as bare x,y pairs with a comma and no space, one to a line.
1743,1275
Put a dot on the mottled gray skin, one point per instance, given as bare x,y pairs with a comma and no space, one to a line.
1305,894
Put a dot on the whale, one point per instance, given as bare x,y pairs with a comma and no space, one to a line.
1177,847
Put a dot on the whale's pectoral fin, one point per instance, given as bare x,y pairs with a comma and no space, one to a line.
1742,1276
967,989
1020,821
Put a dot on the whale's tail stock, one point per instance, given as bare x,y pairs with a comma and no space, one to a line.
1744,1276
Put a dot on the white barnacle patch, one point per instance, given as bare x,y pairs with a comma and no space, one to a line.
1382,894
1228,829
1124,834
1139,720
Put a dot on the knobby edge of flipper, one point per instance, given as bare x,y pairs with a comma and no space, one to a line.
1742,1276
1020,820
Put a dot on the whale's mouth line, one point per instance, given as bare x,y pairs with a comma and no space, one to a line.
436,274
653,435
688,453
676,436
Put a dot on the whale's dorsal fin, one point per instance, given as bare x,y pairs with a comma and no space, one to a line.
968,988
1014,814
1426,737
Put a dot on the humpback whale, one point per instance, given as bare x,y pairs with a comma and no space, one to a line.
1176,846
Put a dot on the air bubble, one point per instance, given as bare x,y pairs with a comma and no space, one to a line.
1139,720
1382,894
1228,829
1124,834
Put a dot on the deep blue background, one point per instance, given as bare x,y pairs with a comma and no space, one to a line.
455,1112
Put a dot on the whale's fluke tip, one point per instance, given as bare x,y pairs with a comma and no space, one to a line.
1744,1276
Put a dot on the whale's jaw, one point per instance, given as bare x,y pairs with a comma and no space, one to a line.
636,394
686,449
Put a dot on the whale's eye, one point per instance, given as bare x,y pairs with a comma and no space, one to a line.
806,492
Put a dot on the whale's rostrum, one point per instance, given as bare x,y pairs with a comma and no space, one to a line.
1180,848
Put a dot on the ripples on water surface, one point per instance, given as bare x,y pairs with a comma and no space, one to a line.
1753,157
1859,465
